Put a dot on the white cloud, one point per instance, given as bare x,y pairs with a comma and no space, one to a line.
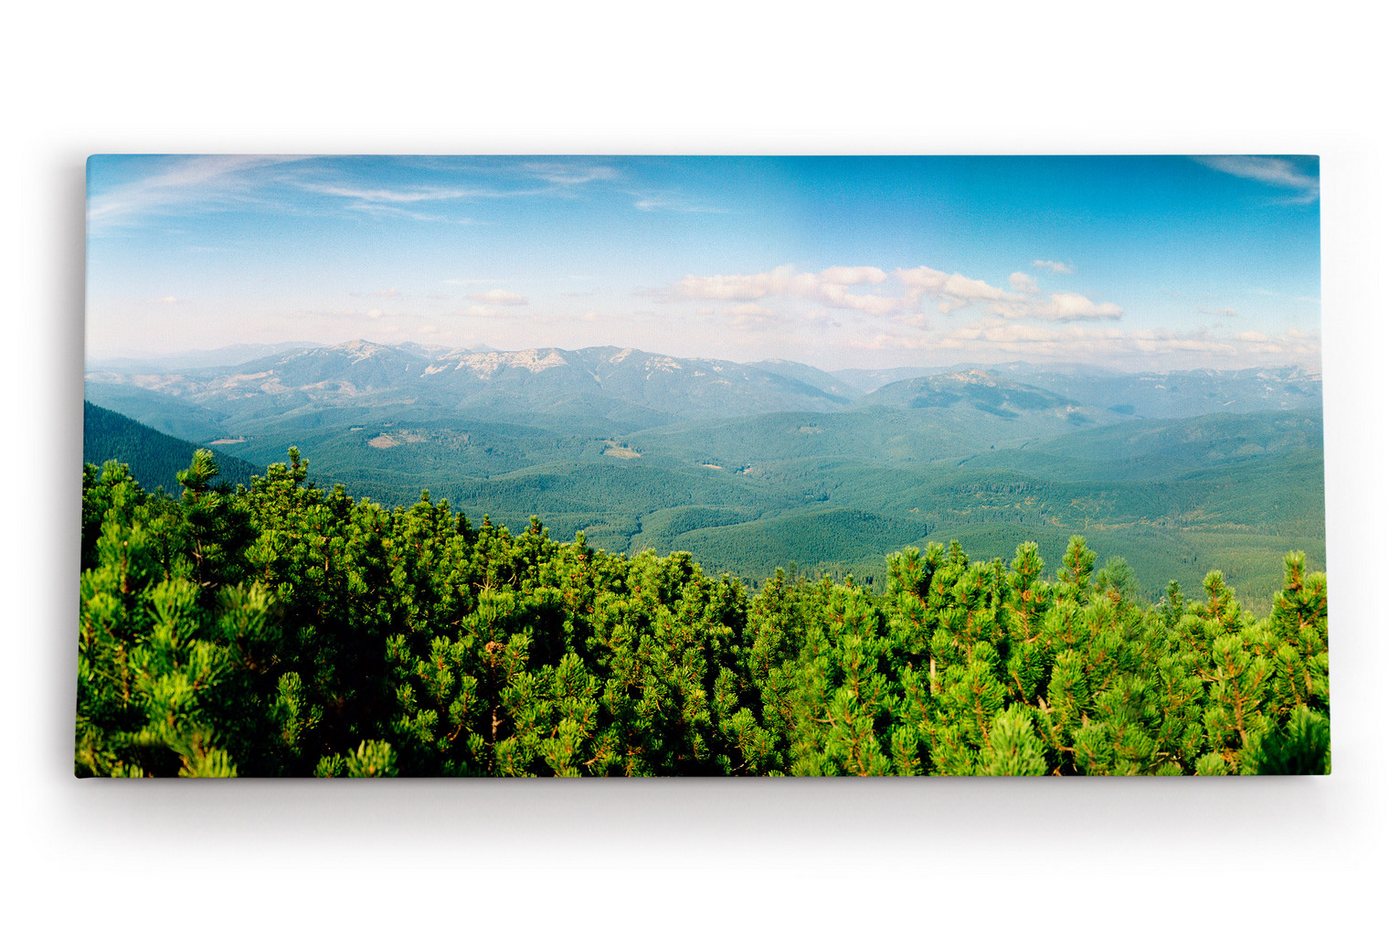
1071,342
1067,307
952,290
831,287
994,339
821,318
852,275
1053,266
751,310
1163,342
501,297
964,288
922,278
862,302
747,316
1023,283
1270,170
375,313
733,286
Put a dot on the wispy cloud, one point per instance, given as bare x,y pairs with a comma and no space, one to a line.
185,183
500,297
568,172
404,203
1277,171
746,316
674,203
1275,294
561,179
377,210
196,184
992,339
483,312
1053,266
412,195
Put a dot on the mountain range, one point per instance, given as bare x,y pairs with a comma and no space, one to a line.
751,465
626,388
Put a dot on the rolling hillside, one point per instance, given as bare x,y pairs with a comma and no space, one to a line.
775,463
153,457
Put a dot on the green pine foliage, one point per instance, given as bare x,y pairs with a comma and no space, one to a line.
281,629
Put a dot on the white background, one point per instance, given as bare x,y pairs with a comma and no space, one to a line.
718,77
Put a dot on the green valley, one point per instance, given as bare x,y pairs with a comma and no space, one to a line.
752,467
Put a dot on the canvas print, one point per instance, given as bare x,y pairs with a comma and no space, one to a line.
586,466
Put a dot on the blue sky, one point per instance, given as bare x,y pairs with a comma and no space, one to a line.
1132,262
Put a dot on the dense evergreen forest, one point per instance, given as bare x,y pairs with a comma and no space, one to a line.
284,629
152,457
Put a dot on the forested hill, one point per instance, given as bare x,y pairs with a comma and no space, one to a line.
152,456
282,629
749,466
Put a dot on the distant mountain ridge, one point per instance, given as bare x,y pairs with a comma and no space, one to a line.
637,388
631,386
986,392
1175,394
754,464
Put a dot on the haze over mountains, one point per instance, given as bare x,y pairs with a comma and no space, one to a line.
753,465
643,387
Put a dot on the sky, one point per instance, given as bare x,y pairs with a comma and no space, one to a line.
1134,263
